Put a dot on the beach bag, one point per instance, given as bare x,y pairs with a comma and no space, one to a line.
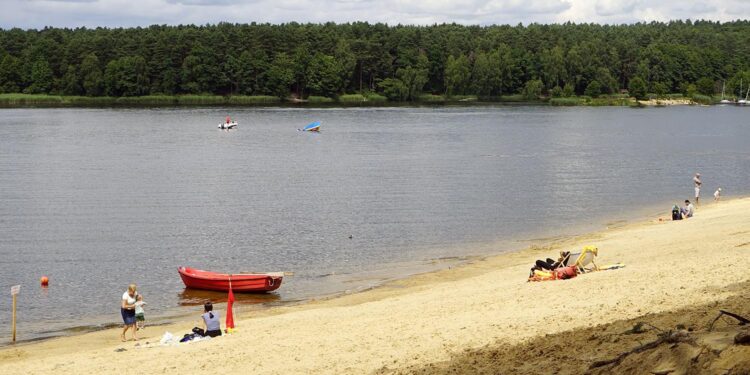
187,337
563,273
199,331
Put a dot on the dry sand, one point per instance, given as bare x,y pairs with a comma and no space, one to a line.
433,317
705,345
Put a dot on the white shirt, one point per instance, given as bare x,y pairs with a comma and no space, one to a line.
128,299
689,210
139,307
716,194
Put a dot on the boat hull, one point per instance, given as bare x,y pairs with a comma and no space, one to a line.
312,127
249,283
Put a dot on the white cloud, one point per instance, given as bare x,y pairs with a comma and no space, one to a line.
114,13
614,7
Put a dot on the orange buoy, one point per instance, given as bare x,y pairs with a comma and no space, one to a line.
44,281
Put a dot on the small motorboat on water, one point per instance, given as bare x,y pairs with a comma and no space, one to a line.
228,125
312,127
241,282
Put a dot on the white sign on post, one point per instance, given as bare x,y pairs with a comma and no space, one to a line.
15,289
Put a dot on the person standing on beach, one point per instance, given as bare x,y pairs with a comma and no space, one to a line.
127,310
698,183
717,195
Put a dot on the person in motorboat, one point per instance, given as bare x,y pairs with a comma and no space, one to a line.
229,124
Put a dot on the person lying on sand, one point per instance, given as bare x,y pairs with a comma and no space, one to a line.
550,264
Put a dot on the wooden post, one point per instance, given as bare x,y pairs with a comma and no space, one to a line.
13,325
14,292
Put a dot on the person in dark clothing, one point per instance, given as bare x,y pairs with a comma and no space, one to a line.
551,264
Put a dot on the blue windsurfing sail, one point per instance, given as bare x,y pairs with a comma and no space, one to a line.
312,127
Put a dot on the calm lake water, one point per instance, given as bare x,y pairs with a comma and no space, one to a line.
99,198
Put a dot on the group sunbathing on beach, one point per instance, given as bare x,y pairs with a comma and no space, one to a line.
569,265
566,266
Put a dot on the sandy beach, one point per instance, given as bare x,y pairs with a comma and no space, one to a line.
409,325
666,102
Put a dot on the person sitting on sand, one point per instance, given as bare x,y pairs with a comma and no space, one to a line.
550,264
211,323
676,213
688,210
127,310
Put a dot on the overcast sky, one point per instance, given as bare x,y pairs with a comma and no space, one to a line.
113,13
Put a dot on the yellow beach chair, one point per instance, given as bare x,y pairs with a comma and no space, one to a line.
585,260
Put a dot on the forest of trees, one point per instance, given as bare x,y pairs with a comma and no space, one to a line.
399,62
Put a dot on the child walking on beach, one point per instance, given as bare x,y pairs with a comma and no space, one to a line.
717,195
140,319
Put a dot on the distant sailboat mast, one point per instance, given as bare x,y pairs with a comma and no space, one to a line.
723,86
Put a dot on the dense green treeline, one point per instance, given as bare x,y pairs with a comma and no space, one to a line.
398,62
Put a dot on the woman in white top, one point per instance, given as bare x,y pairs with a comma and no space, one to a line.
127,309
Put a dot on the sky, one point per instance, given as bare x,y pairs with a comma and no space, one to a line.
128,13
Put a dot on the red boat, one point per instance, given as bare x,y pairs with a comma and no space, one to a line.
241,282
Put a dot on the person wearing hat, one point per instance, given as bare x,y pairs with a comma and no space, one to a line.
697,182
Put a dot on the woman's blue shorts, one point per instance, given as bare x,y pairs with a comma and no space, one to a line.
128,316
